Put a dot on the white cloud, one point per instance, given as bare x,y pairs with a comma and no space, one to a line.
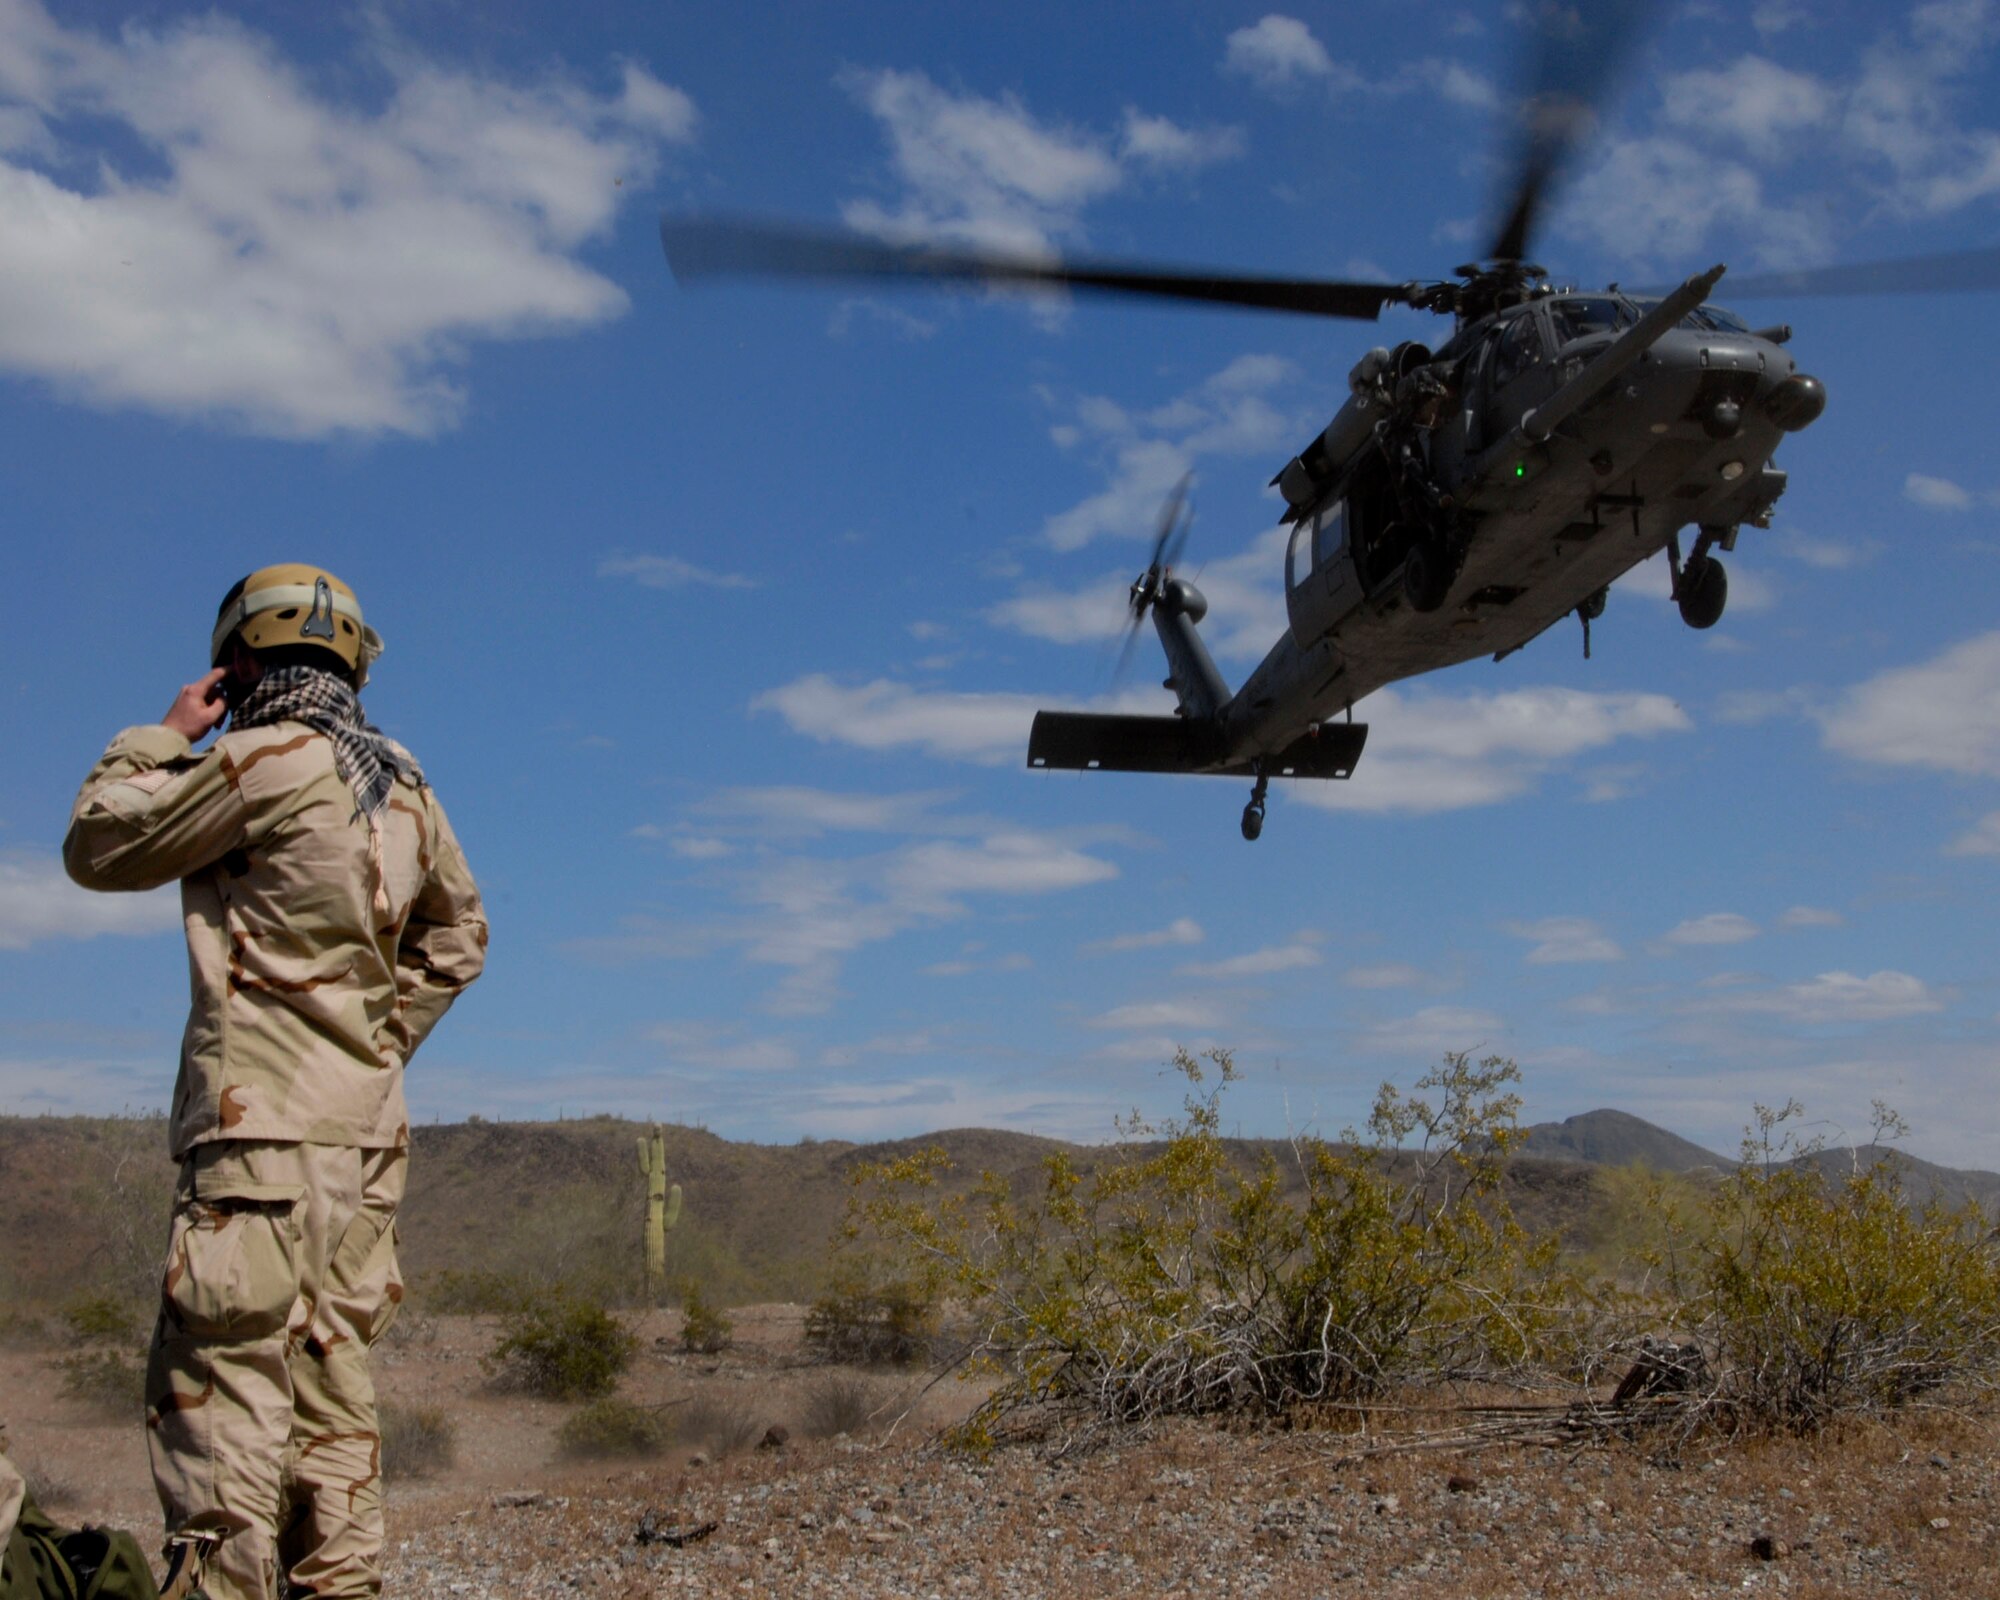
1657,198
1179,1014
1162,142
668,572
295,264
1278,54
1935,494
1559,940
1841,997
721,1047
795,810
1981,839
1828,555
1943,713
1181,931
1000,863
1256,963
1797,917
882,715
1718,927
1437,1029
696,848
989,173
1385,975
1753,101
1430,753
38,903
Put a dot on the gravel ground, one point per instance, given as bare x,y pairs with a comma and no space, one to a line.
1187,1509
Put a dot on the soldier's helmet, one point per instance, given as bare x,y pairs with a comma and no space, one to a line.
293,605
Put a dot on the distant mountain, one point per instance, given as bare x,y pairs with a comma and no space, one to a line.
1618,1139
1923,1181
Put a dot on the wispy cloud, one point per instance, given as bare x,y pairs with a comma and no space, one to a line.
1274,958
1718,927
989,172
884,715
1280,55
668,572
1429,752
1181,931
1935,494
1842,997
1943,713
289,261
1558,940
1179,1015
39,903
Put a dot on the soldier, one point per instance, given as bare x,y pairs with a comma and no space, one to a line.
331,920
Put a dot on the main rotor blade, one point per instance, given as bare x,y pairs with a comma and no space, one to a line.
1951,272
1580,47
699,248
1173,527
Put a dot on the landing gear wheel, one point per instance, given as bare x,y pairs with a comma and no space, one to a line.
1427,575
1253,813
1704,592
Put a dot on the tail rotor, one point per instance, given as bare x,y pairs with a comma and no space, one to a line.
1176,518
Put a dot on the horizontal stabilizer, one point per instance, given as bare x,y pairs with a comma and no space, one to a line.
1082,740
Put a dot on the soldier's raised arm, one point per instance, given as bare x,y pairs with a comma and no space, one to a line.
151,811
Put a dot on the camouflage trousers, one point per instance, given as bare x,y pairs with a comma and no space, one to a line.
281,1272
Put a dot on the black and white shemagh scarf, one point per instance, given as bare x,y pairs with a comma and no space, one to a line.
367,759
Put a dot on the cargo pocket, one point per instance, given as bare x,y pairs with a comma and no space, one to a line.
232,1262
364,1285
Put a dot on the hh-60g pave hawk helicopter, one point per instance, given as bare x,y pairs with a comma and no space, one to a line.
1465,498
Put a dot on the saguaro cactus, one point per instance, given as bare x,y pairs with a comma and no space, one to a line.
663,1209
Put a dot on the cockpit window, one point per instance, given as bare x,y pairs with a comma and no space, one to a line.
1579,316
1520,348
1714,319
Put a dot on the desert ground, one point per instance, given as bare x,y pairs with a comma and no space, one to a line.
1191,1508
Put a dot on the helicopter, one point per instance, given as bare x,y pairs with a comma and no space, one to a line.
1465,498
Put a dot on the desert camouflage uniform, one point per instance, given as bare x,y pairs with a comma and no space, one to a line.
321,949
13,1494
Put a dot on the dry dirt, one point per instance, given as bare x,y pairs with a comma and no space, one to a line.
1188,1509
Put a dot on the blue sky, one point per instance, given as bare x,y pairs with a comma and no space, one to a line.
718,617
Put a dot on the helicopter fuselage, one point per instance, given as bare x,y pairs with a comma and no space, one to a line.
1533,529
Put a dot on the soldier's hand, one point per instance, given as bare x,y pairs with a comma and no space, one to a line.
198,707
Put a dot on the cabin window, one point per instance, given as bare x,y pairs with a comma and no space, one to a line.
1329,532
1520,348
1579,316
1295,559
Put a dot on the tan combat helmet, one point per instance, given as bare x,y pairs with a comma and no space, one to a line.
294,604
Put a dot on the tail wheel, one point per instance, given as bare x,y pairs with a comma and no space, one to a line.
1704,592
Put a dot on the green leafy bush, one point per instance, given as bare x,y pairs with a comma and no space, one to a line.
562,1347
99,1316
705,1327
872,1314
469,1291
1168,1279
416,1440
1815,1294
614,1427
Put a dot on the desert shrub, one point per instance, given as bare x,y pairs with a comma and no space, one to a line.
121,1196
881,1306
614,1427
838,1403
1814,1294
104,1380
724,1426
705,1327
1169,1280
416,1440
99,1316
561,1346
582,1239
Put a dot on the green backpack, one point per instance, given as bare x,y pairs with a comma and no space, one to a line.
43,1562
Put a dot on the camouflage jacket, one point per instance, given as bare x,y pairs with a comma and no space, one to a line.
321,950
